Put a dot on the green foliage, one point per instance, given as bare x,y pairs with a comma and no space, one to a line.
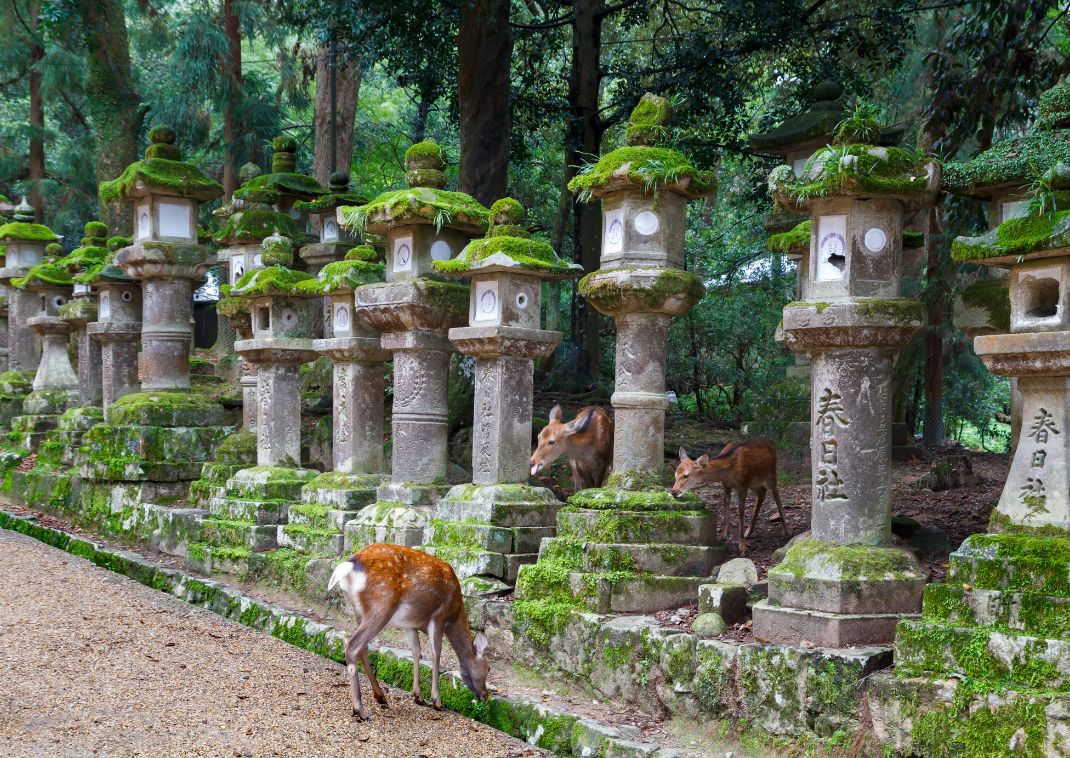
652,168
860,127
857,168
440,207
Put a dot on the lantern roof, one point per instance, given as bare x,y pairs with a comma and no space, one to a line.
283,179
162,172
23,228
338,194
356,269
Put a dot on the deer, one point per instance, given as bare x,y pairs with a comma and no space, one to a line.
740,468
587,440
407,589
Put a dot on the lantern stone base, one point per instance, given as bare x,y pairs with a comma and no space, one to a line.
491,530
839,595
625,552
62,444
390,521
1002,619
14,387
328,503
41,412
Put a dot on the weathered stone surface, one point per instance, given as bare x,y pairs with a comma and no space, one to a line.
638,527
727,600
737,571
708,624
822,629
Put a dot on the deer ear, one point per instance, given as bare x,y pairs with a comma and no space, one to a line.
555,414
703,460
683,455
579,424
480,643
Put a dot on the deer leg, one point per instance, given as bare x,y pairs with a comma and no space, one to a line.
577,475
377,691
742,512
780,510
357,648
757,510
414,643
727,500
434,634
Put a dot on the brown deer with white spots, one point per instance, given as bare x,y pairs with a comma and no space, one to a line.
587,440
392,585
740,468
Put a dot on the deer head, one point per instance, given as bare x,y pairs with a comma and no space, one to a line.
555,438
474,668
689,473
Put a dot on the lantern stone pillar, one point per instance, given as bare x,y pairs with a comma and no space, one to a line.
4,327
847,585
639,563
25,244
82,309
55,386
413,310
118,331
164,433
335,497
494,525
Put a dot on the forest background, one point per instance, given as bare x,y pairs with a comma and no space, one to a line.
524,94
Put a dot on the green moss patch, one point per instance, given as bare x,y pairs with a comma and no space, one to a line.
342,275
1016,237
856,168
436,206
791,241
255,224
992,296
651,168
266,188
853,561
164,409
159,175
1015,160
15,231
526,254
269,281
44,274
609,294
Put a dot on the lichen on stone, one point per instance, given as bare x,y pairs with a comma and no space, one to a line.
992,296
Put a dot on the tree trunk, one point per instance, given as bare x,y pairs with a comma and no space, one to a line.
114,103
582,145
933,428
231,127
347,80
484,53
36,168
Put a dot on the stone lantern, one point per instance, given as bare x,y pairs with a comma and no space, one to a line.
640,563
55,387
848,585
335,239
25,244
82,310
117,329
334,498
163,433
491,527
1002,177
4,327
254,213
999,622
252,509
413,310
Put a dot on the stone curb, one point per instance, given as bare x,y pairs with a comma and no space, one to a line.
558,731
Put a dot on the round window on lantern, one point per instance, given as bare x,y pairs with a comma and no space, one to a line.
128,296
521,300
289,317
58,300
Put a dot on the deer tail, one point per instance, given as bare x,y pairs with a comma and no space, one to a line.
341,572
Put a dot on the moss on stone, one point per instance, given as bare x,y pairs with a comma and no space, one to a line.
162,176
507,211
648,123
269,281
793,240
267,188
15,231
900,310
164,409
361,253
426,204
652,168
853,561
256,224
1015,160
855,168
525,254
609,294
1016,237
44,274
425,154
992,296
342,275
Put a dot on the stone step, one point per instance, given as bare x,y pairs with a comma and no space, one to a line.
663,559
259,511
211,560
308,540
310,515
468,562
138,470
506,505
786,626
36,423
981,653
527,539
224,533
638,527
348,492
269,483
1030,613
514,562
608,592
494,539
1013,561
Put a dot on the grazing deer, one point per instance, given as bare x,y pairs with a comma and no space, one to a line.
401,587
587,440
740,467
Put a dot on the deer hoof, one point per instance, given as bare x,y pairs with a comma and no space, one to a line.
437,706
382,701
360,716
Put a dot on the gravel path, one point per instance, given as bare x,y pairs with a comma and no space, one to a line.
92,663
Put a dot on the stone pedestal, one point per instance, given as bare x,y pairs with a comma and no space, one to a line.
55,388
118,357
79,313
24,345
4,329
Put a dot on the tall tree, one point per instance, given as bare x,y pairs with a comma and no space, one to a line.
338,80
232,84
114,104
484,56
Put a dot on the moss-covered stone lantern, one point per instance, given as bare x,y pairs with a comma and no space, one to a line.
251,509
24,242
335,239
413,310
334,498
999,622
117,329
162,434
284,187
55,386
639,563
491,527
82,310
848,585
